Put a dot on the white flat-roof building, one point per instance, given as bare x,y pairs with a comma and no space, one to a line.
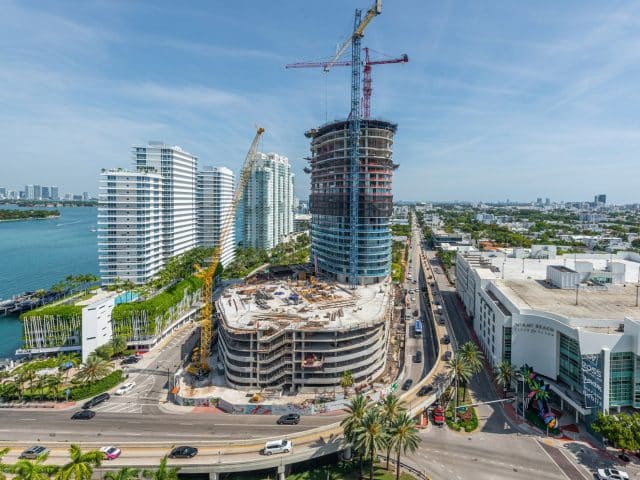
215,200
585,340
130,234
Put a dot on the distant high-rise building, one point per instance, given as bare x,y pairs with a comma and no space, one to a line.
3,192
37,192
85,196
28,192
547,201
178,171
267,203
13,195
68,196
53,191
330,201
46,194
130,234
539,201
214,202
600,199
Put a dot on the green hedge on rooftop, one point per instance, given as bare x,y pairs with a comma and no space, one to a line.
159,304
64,311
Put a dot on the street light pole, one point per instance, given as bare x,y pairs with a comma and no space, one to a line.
577,290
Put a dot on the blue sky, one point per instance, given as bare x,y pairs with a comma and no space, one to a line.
500,99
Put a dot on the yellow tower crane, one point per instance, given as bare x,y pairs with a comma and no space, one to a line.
201,365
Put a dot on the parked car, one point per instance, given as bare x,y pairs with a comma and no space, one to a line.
425,390
126,388
83,415
446,339
97,400
438,415
183,451
131,359
34,452
624,457
447,355
416,313
277,446
417,357
441,320
289,419
612,474
407,384
110,452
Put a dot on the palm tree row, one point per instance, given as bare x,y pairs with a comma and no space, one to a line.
79,467
465,364
372,428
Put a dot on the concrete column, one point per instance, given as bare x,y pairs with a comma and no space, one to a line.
213,475
282,472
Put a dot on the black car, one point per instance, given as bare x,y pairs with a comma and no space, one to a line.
425,390
83,415
416,313
289,419
183,452
441,320
130,359
446,340
447,355
624,457
407,384
97,400
417,358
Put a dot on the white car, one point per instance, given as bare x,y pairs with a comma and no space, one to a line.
612,474
126,388
277,446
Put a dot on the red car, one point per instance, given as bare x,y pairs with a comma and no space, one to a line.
438,415
110,453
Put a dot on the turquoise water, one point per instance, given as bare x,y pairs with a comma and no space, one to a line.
36,254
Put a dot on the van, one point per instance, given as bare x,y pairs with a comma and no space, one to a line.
277,446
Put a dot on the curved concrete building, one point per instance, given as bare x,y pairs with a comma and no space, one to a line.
330,200
301,337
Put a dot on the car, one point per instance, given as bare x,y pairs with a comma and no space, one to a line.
447,355
277,446
289,419
438,415
407,384
425,390
624,457
612,474
441,320
446,339
83,415
183,451
97,400
126,388
417,357
110,452
416,313
131,359
34,452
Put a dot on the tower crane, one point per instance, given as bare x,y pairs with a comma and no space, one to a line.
207,274
367,80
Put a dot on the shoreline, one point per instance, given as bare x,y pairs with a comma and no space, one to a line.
48,217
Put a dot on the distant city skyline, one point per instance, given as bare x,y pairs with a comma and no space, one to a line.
497,100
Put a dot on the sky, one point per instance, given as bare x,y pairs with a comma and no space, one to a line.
500,99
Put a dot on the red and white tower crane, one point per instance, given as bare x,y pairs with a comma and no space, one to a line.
367,88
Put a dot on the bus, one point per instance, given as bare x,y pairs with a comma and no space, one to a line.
417,329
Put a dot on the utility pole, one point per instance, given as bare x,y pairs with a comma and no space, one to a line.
577,290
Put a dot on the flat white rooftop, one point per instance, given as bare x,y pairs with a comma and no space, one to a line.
301,305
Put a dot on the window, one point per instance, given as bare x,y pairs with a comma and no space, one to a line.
621,379
570,362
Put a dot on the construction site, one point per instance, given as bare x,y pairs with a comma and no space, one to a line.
301,333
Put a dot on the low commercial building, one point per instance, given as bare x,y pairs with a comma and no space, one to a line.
302,335
574,319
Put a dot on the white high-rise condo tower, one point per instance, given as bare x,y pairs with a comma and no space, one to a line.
214,200
178,171
130,241
267,206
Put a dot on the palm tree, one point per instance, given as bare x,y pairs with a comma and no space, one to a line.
504,374
3,468
94,369
346,381
392,406
53,382
125,473
41,384
68,358
163,472
461,371
355,413
370,436
81,465
474,358
9,390
404,437
27,376
32,469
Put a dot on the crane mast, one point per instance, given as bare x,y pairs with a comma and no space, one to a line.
207,274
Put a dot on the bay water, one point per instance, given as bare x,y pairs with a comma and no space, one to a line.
36,254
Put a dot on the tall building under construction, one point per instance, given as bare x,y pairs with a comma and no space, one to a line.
330,200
